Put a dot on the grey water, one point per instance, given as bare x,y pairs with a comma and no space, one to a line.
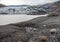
7,19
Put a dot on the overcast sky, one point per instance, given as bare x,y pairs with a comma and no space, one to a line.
26,2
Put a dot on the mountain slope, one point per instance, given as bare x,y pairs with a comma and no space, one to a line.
46,8
57,8
2,5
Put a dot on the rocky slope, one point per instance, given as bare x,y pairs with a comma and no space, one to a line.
2,5
57,8
20,32
46,8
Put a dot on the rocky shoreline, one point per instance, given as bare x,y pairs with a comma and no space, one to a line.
17,32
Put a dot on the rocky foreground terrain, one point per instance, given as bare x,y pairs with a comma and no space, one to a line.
32,30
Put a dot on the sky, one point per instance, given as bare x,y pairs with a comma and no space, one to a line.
25,2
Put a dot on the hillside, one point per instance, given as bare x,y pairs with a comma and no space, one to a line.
56,9
46,8
2,5
32,10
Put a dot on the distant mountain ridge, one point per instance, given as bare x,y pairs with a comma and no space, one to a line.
17,5
2,5
57,8
44,9
49,8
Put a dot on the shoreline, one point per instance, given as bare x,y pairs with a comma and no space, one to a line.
8,19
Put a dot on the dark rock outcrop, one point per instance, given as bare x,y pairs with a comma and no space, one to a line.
2,5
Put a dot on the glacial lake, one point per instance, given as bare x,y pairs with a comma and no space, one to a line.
8,19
